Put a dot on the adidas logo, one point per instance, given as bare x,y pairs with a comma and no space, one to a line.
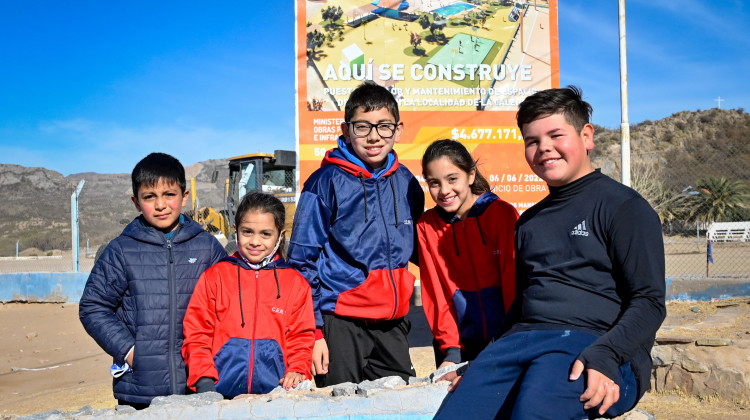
192,260
580,230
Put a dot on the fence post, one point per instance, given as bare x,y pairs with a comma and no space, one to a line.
74,223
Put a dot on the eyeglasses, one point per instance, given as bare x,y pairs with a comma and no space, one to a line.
363,128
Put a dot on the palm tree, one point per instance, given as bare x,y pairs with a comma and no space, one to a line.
719,200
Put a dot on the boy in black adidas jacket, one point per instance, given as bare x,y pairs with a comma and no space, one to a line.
590,285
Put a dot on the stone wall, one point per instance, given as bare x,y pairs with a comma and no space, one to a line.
705,367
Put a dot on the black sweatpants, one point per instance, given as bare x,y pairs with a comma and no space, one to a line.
360,350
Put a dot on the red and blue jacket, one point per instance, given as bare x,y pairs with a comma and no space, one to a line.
354,235
467,272
246,328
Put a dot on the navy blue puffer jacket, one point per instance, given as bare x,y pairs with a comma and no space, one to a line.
137,295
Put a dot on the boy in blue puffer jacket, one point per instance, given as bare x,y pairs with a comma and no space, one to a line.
135,299
353,237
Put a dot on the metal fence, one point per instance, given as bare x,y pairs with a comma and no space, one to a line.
704,207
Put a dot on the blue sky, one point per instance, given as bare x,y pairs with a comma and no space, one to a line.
92,86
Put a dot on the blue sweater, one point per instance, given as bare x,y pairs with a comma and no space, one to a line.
137,295
354,234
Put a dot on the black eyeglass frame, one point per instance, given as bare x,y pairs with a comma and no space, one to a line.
376,126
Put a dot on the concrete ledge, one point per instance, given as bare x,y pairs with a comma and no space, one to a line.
68,287
42,287
707,289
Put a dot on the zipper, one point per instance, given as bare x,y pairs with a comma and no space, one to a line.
388,242
252,336
476,281
172,317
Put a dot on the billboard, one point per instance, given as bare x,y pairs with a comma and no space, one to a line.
458,70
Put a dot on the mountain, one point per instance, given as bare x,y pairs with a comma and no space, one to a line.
681,149
36,204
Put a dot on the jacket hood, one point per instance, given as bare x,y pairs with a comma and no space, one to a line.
483,201
140,230
345,158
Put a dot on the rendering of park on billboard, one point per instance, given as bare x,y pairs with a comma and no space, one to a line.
458,70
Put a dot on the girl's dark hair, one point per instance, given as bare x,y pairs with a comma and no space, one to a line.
263,203
460,157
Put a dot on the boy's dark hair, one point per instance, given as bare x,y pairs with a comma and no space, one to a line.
263,203
370,96
460,157
567,101
157,166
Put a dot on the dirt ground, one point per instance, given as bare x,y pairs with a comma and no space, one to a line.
47,361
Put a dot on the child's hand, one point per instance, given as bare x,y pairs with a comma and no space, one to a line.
291,380
320,357
129,358
599,388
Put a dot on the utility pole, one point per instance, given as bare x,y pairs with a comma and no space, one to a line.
624,125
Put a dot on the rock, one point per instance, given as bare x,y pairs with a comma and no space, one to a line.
366,388
695,309
728,383
124,409
694,366
305,385
664,340
637,414
663,355
678,379
344,390
434,376
713,342
30,336
47,415
193,400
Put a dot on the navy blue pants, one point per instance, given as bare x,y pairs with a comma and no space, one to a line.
525,376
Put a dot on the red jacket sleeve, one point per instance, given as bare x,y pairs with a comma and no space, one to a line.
437,308
198,327
300,337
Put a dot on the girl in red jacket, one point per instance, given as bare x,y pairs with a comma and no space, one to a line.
466,253
250,326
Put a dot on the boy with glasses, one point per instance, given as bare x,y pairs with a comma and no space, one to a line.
352,239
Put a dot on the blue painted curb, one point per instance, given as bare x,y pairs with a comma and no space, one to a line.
68,287
42,287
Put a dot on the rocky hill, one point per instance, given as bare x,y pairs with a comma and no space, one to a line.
36,204
682,148
671,154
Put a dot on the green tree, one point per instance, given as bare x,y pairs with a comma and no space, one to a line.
719,200
332,14
314,40
425,20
